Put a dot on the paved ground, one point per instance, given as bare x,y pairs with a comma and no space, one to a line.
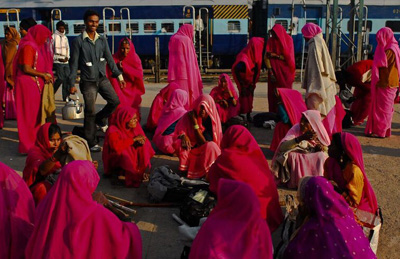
159,230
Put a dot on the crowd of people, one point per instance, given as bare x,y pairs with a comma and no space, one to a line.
312,153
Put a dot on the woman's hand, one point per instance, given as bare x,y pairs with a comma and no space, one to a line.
139,140
100,198
185,142
48,78
309,135
96,164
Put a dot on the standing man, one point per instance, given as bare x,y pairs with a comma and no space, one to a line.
90,53
61,57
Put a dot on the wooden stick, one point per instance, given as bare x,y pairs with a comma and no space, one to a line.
131,203
119,206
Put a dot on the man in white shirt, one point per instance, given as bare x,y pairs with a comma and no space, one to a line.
61,57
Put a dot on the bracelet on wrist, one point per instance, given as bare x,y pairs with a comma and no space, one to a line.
196,127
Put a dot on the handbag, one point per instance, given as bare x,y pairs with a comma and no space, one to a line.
73,109
371,225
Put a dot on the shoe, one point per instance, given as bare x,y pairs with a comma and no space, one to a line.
101,125
96,148
103,128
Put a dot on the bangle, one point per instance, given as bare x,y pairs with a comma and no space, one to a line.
53,159
196,127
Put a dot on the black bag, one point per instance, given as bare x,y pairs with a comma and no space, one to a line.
259,118
237,120
192,210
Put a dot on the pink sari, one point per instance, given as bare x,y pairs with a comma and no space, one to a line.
133,76
333,121
330,230
380,117
183,68
251,56
173,110
131,160
29,89
39,153
16,214
283,70
234,229
333,172
2,89
197,161
79,227
301,164
217,93
241,159
157,105
294,106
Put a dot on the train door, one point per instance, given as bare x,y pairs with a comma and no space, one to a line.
128,28
109,29
202,29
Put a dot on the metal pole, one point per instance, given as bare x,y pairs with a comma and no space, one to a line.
208,56
360,30
334,32
105,25
194,18
328,17
291,19
351,30
128,12
157,66
304,43
366,34
340,35
8,18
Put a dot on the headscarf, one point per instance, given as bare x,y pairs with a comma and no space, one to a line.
310,30
70,224
186,30
9,48
386,41
173,110
123,114
282,44
241,159
217,92
16,214
330,231
294,104
234,229
40,152
314,118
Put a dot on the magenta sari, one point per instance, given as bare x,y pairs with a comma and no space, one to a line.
122,156
235,228
183,68
330,231
69,229
251,56
197,161
283,70
2,89
242,160
380,117
133,76
173,110
16,214
29,89
218,94
333,172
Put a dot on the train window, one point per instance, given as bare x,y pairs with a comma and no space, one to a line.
134,27
369,25
394,25
100,29
284,23
167,27
150,27
234,26
79,28
114,27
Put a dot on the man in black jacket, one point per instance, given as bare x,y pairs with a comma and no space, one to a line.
90,53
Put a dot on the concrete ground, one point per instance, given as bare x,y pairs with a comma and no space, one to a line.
159,231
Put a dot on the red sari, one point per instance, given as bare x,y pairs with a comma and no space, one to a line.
241,159
218,94
119,153
251,56
16,214
34,50
284,70
39,153
133,76
157,105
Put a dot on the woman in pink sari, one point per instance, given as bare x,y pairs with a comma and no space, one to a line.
33,66
345,167
329,229
16,214
70,224
183,68
246,72
280,63
302,152
127,151
158,103
290,106
384,84
198,137
226,98
320,80
242,160
235,228
173,110
130,64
